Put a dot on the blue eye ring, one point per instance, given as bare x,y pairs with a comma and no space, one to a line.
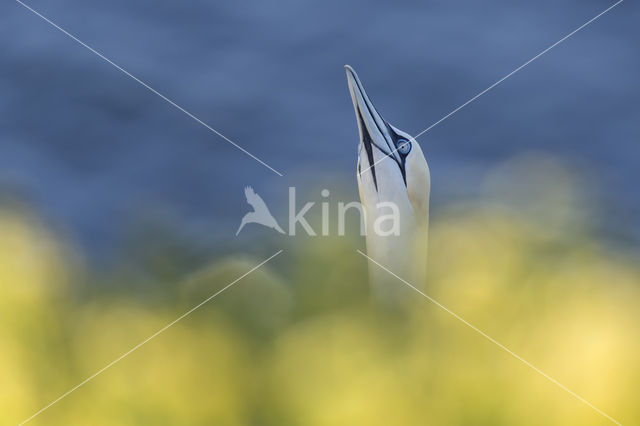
403,146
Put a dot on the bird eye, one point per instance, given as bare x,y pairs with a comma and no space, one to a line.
403,146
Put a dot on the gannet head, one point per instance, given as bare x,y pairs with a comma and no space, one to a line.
391,165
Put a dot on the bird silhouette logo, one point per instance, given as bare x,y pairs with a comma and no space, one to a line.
260,213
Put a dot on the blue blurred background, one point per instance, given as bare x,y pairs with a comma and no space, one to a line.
102,157
118,214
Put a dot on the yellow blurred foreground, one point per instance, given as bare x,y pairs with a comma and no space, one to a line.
300,342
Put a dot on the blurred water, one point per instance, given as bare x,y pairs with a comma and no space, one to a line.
99,154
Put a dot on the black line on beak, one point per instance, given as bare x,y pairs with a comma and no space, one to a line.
367,142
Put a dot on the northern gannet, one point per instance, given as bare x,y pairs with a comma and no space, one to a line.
391,169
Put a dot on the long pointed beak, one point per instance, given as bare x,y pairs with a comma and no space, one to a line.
374,130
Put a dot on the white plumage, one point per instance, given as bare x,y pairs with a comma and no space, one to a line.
391,169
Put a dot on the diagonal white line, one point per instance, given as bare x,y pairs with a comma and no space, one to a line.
150,337
413,139
142,83
494,341
519,68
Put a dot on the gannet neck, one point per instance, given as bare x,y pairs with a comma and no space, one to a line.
392,170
